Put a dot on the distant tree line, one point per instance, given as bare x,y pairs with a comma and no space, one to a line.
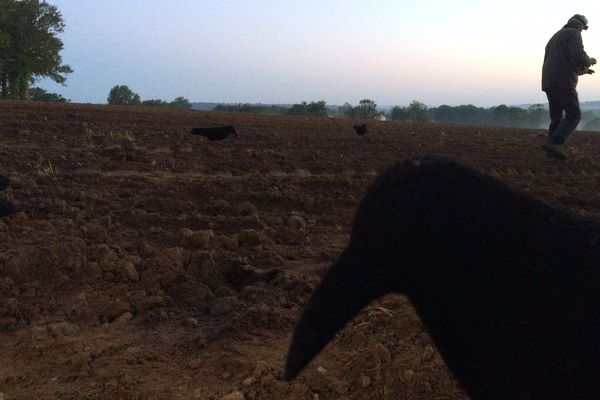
122,95
314,108
535,116
39,94
251,108
591,120
366,109
416,112
502,115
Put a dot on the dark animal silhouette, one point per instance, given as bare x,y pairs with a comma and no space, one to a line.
6,208
4,182
215,133
507,286
361,130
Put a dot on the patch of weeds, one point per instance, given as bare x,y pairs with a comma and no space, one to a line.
121,137
87,139
46,169
91,138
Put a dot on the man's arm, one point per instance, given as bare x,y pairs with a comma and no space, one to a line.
579,58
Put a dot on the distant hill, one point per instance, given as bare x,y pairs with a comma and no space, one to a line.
585,105
210,106
204,106
590,106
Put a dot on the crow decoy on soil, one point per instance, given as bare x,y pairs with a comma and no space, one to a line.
215,133
361,130
507,286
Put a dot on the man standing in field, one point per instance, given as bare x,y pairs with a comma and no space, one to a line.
564,61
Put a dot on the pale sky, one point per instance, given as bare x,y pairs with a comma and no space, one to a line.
287,51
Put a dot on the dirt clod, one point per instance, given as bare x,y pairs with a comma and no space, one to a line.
234,396
249,237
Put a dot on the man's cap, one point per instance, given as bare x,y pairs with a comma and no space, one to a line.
579,20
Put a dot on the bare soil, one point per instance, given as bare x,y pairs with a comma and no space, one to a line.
146,263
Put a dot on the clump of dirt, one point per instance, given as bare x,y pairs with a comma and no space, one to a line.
147,263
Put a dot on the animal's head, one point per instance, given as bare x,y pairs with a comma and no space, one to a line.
397,238
343,292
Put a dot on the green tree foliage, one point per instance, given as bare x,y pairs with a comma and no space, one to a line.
314,109
366,109
155,103
503,115
538,116
251,108
181,103
345,109
29,46
592,125
416,112
398,114
535,116
121,95
463,114
39,94
4,38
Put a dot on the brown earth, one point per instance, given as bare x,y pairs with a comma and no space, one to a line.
147,263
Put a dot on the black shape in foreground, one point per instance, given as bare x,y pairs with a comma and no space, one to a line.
507,286
4,182
215,133
361,130
6,208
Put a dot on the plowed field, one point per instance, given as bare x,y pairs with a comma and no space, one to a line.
146,263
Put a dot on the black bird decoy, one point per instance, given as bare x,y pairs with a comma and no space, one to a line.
215,133
507,286
361,130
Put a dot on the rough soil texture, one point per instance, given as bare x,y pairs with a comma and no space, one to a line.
146,263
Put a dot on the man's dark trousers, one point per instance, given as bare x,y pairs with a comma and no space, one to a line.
562,99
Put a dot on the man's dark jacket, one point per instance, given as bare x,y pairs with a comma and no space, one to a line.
564,60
